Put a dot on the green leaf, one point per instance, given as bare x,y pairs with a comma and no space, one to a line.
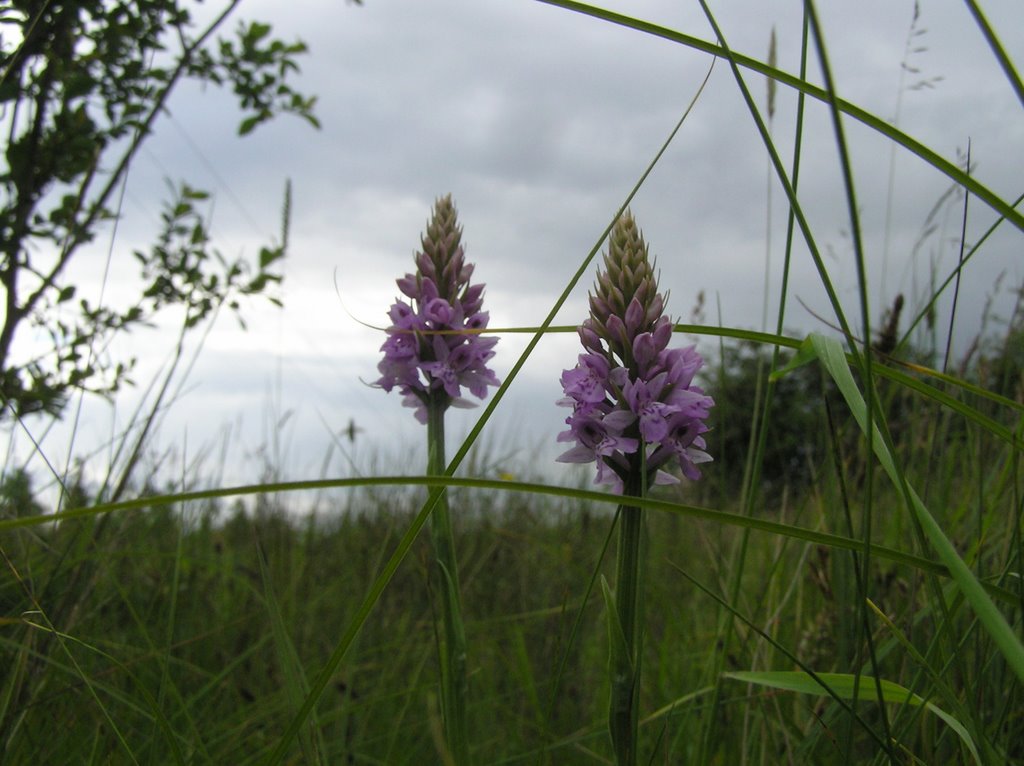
844,686
256,32
247,125
269,255
804,355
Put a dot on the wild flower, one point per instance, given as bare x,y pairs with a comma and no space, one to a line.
635,411
434,347
635,407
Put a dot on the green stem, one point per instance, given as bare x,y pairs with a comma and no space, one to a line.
625,668
453,653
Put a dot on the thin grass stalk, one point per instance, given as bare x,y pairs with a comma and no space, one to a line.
454,684
960,260
752,473
760,415
955,650
63,478
867,368
44,624
784,179
997,49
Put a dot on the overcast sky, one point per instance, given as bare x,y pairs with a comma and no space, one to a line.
539,121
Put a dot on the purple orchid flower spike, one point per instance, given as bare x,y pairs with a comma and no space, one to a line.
434,347
635,408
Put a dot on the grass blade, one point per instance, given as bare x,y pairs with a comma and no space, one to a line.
878,124
997,49
845,685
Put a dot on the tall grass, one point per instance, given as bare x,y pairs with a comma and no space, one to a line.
871,615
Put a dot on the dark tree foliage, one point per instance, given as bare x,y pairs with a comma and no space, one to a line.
17,495
797,424
809,423
82,83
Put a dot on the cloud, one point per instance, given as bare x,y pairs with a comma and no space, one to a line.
540,121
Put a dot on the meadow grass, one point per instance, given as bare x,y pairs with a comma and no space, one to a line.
871,614
186,628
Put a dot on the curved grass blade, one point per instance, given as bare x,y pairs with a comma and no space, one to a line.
780,171
797,215
845,686
64,639
689,511
782,649
935,677
878,124
805,355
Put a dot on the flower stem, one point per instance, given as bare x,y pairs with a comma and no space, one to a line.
453,652
625,664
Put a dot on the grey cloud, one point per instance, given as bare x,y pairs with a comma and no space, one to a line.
539,122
